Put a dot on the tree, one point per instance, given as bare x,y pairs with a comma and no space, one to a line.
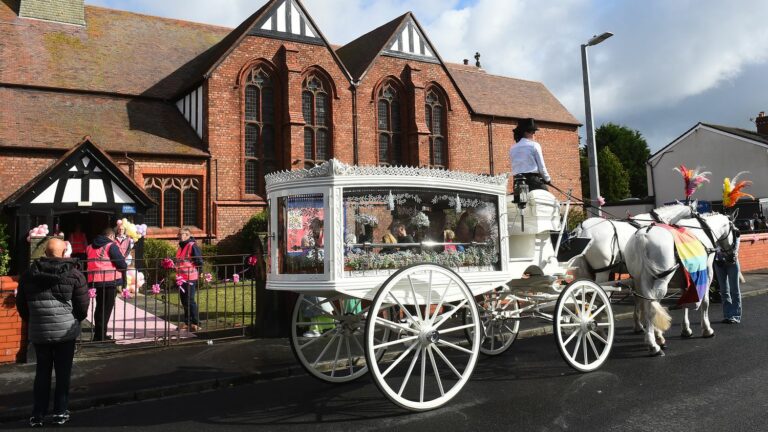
632,151
614,181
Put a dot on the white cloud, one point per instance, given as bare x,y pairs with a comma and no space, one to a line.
664,53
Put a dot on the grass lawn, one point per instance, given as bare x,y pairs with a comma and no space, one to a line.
229,304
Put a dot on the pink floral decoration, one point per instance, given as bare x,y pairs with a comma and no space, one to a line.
253,260
156,289
167,263
179,280
236,278
600,201
208,277
126,294
92,293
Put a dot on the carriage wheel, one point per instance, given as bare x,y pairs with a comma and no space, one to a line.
327,337
583,325
430,358
499,319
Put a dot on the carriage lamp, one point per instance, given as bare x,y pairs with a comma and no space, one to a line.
522,195
458,204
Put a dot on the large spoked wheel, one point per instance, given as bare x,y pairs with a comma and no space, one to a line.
499,319
583,325
327,337
429,358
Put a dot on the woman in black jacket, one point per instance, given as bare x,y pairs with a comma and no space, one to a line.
53,300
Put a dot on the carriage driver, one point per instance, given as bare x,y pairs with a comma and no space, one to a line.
526,158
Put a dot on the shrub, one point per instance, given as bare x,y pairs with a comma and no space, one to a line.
575,217
154,252
5,253
258,223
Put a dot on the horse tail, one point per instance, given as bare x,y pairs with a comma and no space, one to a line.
661,318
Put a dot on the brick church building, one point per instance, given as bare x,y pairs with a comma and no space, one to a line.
106,113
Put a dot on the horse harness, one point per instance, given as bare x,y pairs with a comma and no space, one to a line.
614,241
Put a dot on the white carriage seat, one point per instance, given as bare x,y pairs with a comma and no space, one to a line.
542,214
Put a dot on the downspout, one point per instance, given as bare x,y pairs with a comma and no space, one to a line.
355,152
490,144
209,204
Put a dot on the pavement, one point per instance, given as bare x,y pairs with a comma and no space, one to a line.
138,375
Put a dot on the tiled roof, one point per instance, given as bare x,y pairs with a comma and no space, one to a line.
743,133
56,120
508,97
117,52
361,52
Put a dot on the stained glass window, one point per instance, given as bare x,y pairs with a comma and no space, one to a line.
389,125
316,109
260,138
436,123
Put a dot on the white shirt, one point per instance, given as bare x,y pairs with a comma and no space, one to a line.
525,157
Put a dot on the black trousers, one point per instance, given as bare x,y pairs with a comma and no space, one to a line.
534,181
105,302
52,356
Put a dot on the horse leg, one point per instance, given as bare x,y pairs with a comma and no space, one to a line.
706,328
660,339
686,332
636,315
650,331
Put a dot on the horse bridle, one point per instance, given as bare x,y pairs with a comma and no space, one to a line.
708,231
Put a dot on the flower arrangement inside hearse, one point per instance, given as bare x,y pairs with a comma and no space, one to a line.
371,263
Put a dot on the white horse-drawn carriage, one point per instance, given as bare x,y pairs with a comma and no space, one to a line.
469,261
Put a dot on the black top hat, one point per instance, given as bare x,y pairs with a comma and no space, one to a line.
527,125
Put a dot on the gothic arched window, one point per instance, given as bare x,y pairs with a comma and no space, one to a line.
389,126
437,125
260,137
316,107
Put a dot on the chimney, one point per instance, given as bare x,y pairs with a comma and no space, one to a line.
62,11
762,123
466,62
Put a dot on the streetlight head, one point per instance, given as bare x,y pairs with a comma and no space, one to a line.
597,39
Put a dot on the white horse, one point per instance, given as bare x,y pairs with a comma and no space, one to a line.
606,253
651,261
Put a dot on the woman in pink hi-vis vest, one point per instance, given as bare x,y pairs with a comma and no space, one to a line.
189,259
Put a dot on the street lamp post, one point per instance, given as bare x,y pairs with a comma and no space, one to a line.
594,180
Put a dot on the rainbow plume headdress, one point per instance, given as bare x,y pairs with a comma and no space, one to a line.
732,190
693,179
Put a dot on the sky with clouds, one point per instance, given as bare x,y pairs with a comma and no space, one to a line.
671,63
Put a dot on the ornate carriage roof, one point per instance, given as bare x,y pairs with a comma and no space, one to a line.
336,168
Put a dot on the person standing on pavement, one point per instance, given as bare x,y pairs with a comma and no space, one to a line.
106,264
123,242
79,242
53,299
189,258
526,158
727,271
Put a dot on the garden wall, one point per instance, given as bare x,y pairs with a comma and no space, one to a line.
753,252
10,323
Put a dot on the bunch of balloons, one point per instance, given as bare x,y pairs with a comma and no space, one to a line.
134,280
130,229
41,231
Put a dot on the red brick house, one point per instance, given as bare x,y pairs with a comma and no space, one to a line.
194,115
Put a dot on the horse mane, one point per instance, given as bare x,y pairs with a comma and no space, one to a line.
673,213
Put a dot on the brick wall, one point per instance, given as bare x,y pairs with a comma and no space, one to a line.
753,252
17,169
290,62
10,323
